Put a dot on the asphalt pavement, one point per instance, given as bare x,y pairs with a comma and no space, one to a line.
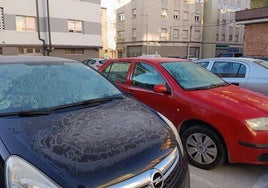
230,176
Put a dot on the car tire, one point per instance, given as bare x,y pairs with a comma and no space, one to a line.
204,147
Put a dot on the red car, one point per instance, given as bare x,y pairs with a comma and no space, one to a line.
217,121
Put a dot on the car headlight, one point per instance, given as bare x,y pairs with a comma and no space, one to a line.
175,131
21,174
258,124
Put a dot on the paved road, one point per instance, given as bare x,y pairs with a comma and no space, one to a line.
230,176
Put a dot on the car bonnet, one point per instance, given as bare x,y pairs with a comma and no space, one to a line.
90,146
233,100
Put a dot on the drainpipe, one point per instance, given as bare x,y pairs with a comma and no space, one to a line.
49,32
38,29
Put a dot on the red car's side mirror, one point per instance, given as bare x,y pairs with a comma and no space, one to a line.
160,88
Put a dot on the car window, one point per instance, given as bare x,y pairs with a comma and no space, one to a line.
91,62
203,64
263,63
146,76
117,71
22,85
191,76
229,69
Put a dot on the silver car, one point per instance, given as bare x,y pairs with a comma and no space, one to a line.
245,72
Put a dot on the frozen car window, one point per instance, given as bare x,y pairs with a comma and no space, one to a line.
191,76
34,86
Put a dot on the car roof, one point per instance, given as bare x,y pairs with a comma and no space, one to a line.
152,59
228,59
35,59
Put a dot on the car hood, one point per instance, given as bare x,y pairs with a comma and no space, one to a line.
93,146
233,100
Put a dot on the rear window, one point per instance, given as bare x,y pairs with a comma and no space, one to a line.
262,63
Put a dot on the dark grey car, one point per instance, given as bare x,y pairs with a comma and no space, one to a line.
62,124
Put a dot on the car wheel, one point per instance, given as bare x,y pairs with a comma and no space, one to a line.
204,147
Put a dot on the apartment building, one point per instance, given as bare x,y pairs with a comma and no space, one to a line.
229,35
165,27
201,28
64,28
108,29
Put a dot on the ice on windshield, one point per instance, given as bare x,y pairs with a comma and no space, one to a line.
38,86
191,76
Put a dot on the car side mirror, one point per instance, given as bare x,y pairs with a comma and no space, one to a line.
160,88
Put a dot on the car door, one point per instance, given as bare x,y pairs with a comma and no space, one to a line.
233,72
143,78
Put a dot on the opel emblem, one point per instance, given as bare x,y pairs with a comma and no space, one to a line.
157,179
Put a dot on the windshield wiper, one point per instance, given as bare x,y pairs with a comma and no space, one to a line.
208,86
87,103
47,111
27,113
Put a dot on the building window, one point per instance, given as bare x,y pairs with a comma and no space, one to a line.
197,18
134,34
163,34
1,51
74,51
186,16
176,33
236,38
164,13
230,37
223,37
223,22
25,23
29,51
121,34
176,15
134,13
197,34
121,17
74,26
2,23
185,34
217,37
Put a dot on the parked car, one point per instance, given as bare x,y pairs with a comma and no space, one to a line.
217,121
231,54
63,124
94,62
245,72
191,58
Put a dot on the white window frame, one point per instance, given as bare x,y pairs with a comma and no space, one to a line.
121,17
2,21
176,33
163,34
164,13
75,26
25,23
176,15
197,18
28,50
134,13
121,34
